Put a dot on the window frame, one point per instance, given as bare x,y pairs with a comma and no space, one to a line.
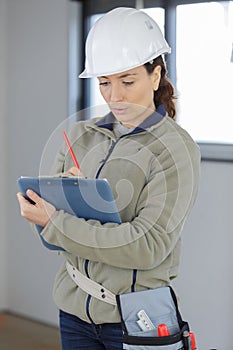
209,151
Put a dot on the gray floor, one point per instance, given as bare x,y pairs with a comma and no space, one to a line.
18,333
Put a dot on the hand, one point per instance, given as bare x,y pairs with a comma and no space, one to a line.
74,171
38,213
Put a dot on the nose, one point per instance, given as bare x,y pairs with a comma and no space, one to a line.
116,93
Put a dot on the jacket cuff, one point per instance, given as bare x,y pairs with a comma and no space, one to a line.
52,217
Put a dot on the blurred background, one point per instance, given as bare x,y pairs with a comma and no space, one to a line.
41,55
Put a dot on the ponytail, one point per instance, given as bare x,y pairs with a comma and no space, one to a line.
165,93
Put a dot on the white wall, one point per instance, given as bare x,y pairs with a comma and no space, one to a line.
205,283
3,158
36,97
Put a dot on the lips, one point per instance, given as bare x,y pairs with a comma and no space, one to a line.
119,110
116,109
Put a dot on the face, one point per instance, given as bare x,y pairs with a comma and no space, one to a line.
130,94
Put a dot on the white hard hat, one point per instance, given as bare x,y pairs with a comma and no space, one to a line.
122,39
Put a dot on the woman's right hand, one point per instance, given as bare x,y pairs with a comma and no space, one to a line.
74,171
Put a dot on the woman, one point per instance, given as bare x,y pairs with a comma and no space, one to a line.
152,165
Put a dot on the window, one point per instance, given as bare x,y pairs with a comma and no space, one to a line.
201,68
96,98
205,70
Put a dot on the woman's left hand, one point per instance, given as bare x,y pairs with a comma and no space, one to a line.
38,213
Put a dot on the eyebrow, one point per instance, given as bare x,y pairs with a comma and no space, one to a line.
122,76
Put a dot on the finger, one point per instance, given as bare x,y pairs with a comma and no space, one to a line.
19,195
33,196
75,171
21,198
25,205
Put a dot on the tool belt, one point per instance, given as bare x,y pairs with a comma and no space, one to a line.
89,286
150,319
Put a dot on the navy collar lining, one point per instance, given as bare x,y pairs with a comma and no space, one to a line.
108,121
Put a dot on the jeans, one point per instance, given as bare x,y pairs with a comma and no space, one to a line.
77,334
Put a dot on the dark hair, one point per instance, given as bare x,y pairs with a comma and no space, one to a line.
165,92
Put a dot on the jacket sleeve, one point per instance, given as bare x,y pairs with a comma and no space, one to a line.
164,204
58,164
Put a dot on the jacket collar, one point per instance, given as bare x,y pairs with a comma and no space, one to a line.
108,121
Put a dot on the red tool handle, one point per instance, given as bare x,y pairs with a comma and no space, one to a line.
193,341
163,330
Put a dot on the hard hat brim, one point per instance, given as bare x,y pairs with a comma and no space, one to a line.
86,74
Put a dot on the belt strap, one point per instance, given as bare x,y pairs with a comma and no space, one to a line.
90,287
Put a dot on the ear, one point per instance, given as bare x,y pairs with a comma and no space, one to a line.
156,76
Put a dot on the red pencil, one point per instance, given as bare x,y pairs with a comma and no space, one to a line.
70,150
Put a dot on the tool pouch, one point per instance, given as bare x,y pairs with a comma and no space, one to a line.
160,305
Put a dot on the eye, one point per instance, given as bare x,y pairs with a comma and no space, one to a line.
127,83
104,83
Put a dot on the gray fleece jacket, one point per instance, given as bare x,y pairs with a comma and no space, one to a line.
153,172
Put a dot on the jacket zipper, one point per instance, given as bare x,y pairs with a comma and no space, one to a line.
87,261
89,296
106,158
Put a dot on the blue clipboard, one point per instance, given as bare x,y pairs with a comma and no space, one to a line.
85,198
